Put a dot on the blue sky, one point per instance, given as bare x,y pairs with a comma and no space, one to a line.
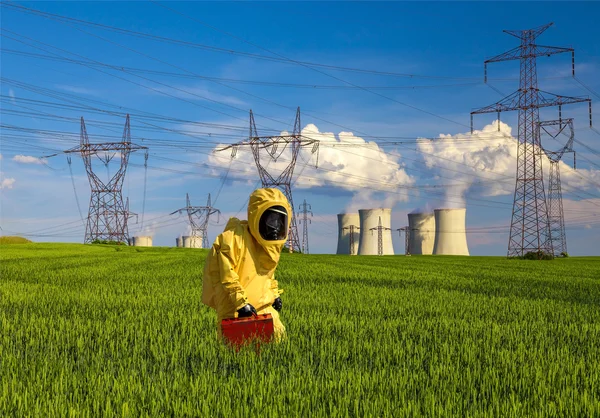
218,60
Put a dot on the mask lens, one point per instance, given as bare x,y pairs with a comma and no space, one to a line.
273,224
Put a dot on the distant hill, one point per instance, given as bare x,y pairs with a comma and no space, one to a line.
13,240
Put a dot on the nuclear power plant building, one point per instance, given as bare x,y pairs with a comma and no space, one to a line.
188,241
142,241
369,238
348,223
450,232
421,233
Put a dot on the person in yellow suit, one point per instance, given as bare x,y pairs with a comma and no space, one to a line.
239,272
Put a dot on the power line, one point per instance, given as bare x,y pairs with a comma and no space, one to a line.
312,67
455,140
104,26
194,76
281,56
134,82
328,170
228,51
586,87
225,104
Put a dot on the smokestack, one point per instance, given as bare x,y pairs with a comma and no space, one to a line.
142,241
369,218
345,221
189,241
421,233
450,234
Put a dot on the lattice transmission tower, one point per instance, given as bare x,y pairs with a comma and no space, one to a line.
556,216
274,146
406,231
305,210
380,230
529,228
108,214
351,229
198,217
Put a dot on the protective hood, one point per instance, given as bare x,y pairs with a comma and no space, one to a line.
260,201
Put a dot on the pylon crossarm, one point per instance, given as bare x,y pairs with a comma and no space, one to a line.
193,210
90,149
529,33
513,54
547,99
275,138
564,122
543,50
510,102
539,51
269,141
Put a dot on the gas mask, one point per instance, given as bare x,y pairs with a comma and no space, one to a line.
273,224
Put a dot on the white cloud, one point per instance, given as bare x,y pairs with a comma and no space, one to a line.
580,178
488,155
489,158
11,93
27,159
7,183
363,168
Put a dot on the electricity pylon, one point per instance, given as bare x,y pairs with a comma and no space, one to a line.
529,228
271,144
305,210
351,229
406,231
556,216
108,215
380,230
198,217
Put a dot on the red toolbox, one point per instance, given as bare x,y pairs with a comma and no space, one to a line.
240,331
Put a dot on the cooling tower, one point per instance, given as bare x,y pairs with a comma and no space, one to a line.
191,242
450,234
369,218
345,221
142,241
179,242
421,233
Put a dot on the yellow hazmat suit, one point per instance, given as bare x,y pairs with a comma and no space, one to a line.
241,264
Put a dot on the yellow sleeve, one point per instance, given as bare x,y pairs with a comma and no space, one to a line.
275,287
229,278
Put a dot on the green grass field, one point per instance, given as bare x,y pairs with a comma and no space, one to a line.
120,331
